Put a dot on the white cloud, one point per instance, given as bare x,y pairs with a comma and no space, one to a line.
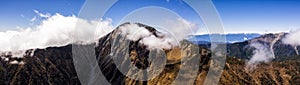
176,31
47,15
58,30
55,30
292,38
33,19
14,62
261,54
181,28
134,32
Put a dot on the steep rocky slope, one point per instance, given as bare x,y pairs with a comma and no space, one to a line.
274,73
139,56
52,65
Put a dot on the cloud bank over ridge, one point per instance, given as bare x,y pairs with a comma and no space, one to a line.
54,30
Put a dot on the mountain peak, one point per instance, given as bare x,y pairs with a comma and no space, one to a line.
146,35
147,27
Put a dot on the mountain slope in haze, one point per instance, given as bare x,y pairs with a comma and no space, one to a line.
284,69
271,41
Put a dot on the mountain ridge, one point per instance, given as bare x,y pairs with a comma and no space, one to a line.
55,65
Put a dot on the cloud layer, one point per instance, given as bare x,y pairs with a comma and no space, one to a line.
54,30
58,30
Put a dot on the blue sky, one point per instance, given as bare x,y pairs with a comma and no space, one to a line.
259,15
123,7
19,12
237,15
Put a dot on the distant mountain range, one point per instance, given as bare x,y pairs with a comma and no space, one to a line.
230,38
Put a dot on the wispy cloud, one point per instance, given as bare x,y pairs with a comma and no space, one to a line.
262,53
41,14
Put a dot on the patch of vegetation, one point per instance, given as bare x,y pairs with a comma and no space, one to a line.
234,60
